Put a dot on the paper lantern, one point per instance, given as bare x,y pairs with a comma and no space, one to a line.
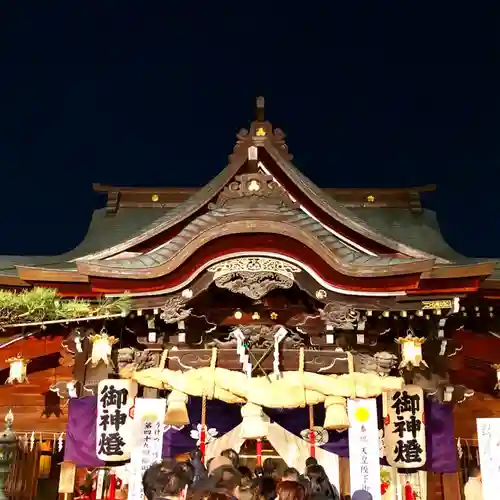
411,352
255,423
17,370
102,344
404,425
497,368
115,414
45,461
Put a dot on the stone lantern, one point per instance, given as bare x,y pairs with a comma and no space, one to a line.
8,448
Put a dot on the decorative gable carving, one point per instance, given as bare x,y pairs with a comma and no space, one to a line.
253,277
255,191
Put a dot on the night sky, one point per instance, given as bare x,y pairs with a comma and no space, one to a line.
152,93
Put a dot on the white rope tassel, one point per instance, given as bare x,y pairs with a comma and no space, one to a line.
242,353
32,441
278,337
442,324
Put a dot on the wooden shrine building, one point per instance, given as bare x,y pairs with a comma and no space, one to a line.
345,273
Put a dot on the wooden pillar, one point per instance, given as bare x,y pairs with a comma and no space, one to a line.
344,476
451,486
434,487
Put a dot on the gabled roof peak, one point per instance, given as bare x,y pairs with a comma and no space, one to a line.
261,132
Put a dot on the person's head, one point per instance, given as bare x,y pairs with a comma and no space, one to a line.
270,468
318,481
290,490
233,456
166,479
475,471
291,474
311,461
223,476
188,469
258,471
267,487
248,489
245,472
210,495
362,495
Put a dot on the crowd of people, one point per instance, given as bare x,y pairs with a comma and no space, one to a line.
224,478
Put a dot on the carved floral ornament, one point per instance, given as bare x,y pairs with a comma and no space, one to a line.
254,277
253,189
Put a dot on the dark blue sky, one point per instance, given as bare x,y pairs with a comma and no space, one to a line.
152,93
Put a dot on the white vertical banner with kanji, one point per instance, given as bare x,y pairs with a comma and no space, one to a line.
404,434
149,415
364,446
115,399
488,441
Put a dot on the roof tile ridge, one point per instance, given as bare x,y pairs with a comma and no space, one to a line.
338,211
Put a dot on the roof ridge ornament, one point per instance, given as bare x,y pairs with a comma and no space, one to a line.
260,104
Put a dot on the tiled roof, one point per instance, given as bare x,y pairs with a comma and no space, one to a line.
418,230
292,216
104,231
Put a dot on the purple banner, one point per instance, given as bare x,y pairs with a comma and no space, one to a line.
222,417
440,438
80,445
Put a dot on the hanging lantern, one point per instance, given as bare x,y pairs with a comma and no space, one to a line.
255,422
497,368
102,345
17,370
45,461
411,351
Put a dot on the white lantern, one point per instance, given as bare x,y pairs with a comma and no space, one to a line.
102,345
497,368
17,370
411,352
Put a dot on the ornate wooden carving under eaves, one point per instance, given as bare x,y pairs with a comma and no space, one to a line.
174,311
259,337
381,362
140,360
253,277
253,191
325,361
340,316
